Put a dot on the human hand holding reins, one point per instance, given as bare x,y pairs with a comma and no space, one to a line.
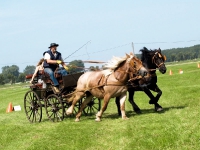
59,61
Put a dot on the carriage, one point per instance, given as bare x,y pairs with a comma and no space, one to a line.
39,97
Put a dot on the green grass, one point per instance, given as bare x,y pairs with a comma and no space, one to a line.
176,128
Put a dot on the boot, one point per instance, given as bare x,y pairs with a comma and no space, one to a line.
55,90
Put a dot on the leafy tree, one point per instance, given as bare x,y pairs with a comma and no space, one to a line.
29,70
173,57
76,66
2,79
4,69
10,78
21,77
178,54
10,73
13,70
92,68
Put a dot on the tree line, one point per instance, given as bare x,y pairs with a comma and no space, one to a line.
180,54
11,74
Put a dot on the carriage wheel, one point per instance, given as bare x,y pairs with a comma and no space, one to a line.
93,106
32,107
54,108
76,107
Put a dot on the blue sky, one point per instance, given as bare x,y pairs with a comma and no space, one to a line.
28,27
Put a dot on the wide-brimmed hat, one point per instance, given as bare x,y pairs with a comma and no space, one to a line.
53,44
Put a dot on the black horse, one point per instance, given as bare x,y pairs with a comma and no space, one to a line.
151,59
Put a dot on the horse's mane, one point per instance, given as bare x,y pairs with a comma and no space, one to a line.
115,62
146,54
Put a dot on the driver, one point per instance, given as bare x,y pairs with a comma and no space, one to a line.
52,59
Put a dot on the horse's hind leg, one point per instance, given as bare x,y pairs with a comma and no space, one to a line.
118,105
75,98
131,100
83,105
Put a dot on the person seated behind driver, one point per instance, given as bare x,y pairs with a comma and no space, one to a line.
39,68
52,59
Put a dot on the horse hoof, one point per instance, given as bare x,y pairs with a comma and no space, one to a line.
119,114
125,118
77,120
159,109
137,111
68,113
97,119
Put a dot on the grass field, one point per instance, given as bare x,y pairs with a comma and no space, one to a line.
176,128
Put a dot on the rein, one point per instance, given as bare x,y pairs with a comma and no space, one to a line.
132,71
152,69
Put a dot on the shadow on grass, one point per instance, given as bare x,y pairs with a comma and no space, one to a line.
131,113
152,110
115,115
147,111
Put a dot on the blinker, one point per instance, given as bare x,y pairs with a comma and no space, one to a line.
164,58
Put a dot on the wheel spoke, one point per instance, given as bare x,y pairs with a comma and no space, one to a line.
33,119
30,115
94,107
51,114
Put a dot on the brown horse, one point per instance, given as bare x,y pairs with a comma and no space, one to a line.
107,84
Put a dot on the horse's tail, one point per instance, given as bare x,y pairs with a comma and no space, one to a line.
69,97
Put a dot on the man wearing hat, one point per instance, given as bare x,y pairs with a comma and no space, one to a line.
52,59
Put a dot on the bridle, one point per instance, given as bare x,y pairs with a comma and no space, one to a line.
153,60
132,70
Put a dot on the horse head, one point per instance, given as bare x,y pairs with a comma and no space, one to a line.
135,66
153,59
159,60
128,67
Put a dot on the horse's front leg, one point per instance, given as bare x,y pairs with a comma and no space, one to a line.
103,108
149,94
122,106
159,93
154,100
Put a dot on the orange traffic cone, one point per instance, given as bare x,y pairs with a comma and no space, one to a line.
180,71
198,65
9,108
170,72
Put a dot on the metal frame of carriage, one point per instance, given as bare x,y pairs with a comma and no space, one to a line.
55,104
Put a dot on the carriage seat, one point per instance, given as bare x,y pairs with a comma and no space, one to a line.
45,77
